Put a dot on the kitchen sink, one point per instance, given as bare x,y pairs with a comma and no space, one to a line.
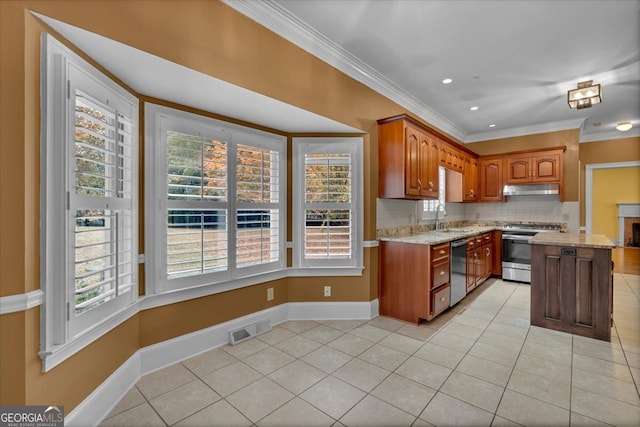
457,230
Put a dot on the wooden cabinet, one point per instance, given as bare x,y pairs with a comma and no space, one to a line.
479,260
490,174
534,167
470,193
450,157
414,280
408,156
572,290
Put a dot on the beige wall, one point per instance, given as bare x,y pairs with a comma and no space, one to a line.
609,151
610,187
219,42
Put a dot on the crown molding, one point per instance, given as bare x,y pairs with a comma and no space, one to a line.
609,135
277,19
527,130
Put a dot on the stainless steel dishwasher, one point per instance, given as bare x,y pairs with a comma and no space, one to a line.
458,276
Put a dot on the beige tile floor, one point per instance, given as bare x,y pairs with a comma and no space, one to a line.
479,364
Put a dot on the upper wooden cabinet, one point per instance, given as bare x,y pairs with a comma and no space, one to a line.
534,167
491,179
450,157
408,157
470,193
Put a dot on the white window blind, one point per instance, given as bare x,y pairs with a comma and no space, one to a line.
100,205
328,207
221,199
89,196
327,202
196,232
258,214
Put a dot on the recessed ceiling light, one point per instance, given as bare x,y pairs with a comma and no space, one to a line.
492,125
474,108
596,124
447,81
624,126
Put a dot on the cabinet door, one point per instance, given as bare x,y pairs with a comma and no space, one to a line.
470,180
491,183
518,169
433,176
472,257
487,253
571,290
412,162
546,168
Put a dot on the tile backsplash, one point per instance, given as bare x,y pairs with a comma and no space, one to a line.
400,213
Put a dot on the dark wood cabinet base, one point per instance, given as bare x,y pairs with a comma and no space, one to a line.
572,290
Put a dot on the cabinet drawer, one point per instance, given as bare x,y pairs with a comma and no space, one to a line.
439,273
439,251
487,238
440,299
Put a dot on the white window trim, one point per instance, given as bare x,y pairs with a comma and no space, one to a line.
155,206
55,343
354,266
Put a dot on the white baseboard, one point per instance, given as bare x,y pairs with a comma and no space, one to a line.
104,398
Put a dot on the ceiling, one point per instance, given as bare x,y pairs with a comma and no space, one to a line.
514,60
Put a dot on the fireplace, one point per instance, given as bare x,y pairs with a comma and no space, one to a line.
628,224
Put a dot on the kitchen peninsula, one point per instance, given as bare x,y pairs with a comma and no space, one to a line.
572,283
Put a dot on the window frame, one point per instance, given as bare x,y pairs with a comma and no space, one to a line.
330,145
62,332
157,118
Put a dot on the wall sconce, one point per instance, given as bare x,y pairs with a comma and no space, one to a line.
586,95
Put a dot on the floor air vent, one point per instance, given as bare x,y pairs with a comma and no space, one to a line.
246,332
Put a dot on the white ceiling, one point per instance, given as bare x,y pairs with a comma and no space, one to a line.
514,60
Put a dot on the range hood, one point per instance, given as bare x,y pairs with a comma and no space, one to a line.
531,189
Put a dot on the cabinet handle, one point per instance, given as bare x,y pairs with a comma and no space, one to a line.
442,251
430,185
488,252
419,184
475,255
442,299
442,273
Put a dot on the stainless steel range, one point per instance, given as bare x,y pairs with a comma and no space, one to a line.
516,250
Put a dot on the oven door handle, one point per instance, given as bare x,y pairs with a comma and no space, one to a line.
512,237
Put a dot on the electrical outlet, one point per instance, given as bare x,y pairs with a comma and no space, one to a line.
327,291
270,294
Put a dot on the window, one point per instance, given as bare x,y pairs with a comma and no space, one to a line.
89,196
327,198
429,207
219,203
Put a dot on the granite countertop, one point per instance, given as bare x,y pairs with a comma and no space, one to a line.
572,239
442,236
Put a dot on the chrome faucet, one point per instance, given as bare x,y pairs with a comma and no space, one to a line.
438,224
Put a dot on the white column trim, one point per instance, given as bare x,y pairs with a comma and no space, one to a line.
21,302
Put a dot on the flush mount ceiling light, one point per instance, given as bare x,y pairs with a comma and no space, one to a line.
624,126
474,108
447,81
586,95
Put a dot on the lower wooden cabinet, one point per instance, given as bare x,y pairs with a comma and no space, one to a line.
414,280
479,260
572,290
